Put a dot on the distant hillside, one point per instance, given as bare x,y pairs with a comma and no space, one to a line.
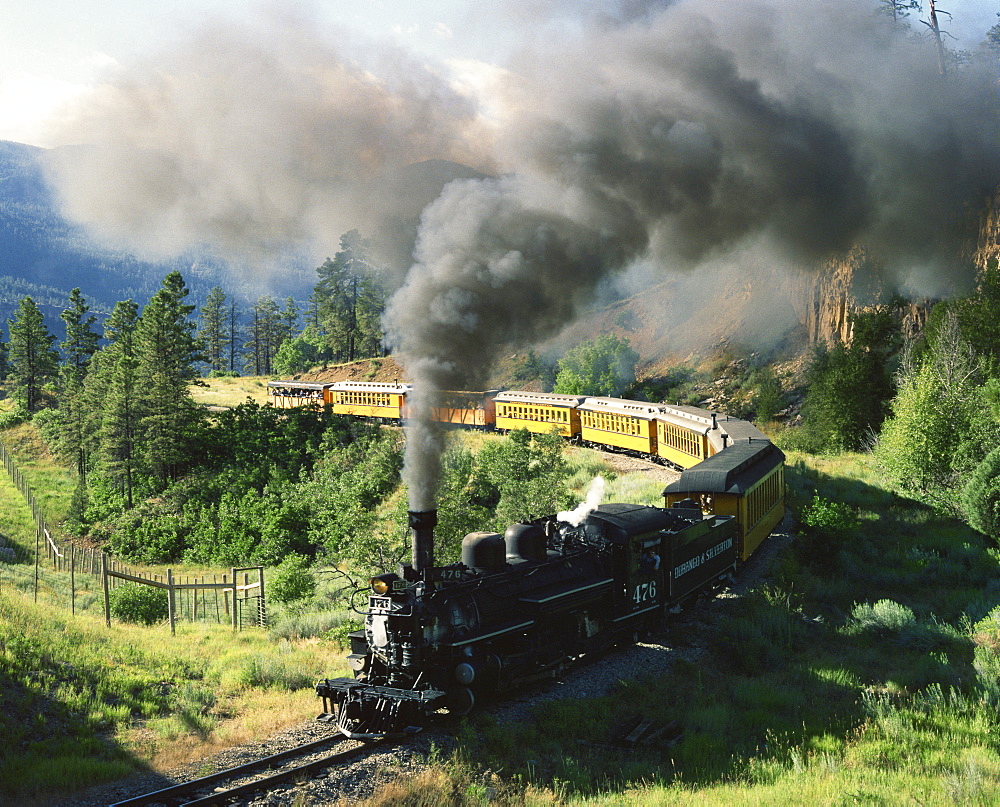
44,255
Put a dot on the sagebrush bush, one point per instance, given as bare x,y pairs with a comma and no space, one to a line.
881,618
326,624
139,604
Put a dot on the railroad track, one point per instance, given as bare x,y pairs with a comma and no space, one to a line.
252,777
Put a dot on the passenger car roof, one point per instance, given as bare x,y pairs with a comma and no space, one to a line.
734,470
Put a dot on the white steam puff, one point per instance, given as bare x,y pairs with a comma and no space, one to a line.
673,134
595,495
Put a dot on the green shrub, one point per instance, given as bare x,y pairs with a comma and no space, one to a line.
139,604
981,496
881,618
828,517
15,417
292,581
341,632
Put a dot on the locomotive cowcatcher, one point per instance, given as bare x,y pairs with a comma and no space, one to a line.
518,608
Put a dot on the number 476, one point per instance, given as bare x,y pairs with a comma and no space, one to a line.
644,592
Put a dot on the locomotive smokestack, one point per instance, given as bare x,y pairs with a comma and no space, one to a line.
422,524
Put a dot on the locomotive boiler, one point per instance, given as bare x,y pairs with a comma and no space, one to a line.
518,608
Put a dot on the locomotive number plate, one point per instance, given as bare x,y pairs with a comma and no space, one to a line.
379,605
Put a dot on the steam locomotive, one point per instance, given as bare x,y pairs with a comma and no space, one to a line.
522,606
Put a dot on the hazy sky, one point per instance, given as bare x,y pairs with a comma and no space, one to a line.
55,50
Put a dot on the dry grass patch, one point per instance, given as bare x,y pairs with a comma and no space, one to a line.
248,719
230,392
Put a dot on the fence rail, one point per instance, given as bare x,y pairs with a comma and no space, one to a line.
182,597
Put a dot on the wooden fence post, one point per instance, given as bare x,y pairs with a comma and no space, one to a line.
263,603
236,602
170,601
104,584
36,562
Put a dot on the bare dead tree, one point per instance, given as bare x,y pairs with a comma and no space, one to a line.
938,34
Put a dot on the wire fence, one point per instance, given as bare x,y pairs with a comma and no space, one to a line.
223,599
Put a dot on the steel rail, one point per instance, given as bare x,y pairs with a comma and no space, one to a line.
169,794
307,769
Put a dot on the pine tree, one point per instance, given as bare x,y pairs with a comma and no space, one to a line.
233,330
78,350
166,352
350,300
112,391
81,340
213,331
265,335
33,359
289,319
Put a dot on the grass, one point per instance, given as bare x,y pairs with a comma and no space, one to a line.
83,703
51,482
230,392
866,669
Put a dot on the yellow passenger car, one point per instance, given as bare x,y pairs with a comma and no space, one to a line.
290,394
541,412
617,423
385,402
476,410
683,435
746,480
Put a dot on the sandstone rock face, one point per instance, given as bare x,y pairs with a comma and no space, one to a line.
987,248
849,285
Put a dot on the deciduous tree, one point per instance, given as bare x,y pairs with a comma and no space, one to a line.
850,386
602,366
937,433
981,496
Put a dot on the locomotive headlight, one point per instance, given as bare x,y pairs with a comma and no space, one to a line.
387,583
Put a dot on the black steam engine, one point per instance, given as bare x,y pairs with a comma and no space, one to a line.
519,607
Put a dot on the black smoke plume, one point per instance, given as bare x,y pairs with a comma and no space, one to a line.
678,134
